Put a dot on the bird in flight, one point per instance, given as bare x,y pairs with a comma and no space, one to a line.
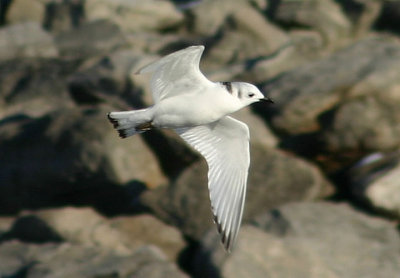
197,109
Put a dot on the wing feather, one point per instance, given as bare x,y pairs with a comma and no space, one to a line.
176,73
225,146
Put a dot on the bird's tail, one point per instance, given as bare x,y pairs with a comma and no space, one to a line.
129,123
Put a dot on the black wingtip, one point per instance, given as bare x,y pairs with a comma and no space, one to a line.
122,133
225,239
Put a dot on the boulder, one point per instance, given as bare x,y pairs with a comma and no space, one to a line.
26,40
74,150
208,16
363,14
5,225
325,16
303,46
26,11
306,240
134,15
94,38
274,178
303,95
261,135
145,229
35,87
70,260
245,34
383,194
86,227
373,181
364,124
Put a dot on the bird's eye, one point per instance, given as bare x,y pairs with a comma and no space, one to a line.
251,94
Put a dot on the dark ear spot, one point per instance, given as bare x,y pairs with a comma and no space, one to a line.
228,86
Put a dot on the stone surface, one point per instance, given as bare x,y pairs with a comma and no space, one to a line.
384,195
86,227
134,15
34,87
69,260
305,93
325,16
145,229
26,11
366,123
374,181
208,16
363,14
90,39
26,40
307,240
73,154
275,178
245,32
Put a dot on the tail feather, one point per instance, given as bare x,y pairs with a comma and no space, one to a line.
130,122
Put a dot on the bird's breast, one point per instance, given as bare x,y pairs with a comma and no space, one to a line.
186,111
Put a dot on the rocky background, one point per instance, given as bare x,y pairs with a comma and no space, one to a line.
324,184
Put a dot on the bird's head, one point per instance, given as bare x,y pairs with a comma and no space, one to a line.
247,93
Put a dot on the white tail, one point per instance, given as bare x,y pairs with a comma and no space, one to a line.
129,123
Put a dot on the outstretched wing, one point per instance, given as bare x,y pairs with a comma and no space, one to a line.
176,73
225,146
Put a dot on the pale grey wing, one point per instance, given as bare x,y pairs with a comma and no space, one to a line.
225,146
176,73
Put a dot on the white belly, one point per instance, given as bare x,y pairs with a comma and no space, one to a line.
192,110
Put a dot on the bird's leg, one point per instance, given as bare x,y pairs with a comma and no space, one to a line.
144,127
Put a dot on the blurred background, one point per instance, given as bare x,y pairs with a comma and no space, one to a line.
323,196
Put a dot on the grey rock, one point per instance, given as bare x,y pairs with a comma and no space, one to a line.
384,195
26,40
374,181
145,229
274,178
26,11
277,178
246,34
307,92
69,260
362,14
208,16
261,136
106,79
324,16
89,39
134,15
308,240
73,149
5,225
34,87
302,47
367,123
86,227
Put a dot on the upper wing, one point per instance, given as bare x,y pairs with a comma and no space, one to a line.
225,146
176,73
